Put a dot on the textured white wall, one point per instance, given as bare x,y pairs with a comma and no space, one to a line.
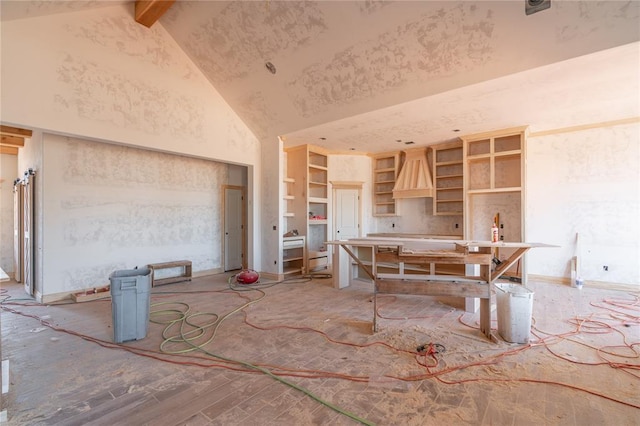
109,207
416,217
586,183
8,173
98,75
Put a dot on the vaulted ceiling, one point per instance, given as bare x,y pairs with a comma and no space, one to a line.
364,74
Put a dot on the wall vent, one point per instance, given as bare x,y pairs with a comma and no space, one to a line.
533,6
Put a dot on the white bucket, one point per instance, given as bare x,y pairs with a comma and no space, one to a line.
515,306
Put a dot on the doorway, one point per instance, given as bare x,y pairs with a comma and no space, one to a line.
23,231
234,241
347,207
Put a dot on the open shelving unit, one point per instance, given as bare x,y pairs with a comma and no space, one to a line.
307,166
448,179
385,171
293,255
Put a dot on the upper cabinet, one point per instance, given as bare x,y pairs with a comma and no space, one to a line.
494,189
385,172
495,163
448,165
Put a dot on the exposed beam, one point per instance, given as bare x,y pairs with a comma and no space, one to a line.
15,131
11,150
12,140
149,11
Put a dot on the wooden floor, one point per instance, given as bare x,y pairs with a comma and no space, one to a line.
65,370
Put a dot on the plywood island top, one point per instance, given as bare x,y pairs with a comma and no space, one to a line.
429,243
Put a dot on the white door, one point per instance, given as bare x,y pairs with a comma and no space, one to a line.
233,227
347,214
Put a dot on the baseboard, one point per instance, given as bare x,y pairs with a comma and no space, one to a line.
271,276
606,285
550,279
207,272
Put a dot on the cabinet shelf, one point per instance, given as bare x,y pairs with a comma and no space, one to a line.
289,214
317,183
289,259
317,222
315,166
449,176
317,200
451,188
490,191
448,163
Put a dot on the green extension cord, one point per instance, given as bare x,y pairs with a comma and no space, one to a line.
182,318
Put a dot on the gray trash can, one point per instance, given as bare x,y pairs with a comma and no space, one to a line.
515,306
130,301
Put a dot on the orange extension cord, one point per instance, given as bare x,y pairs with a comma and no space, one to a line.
427,359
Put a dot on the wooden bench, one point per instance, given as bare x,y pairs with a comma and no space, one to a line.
186,274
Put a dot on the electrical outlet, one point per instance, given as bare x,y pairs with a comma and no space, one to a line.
502,226
605,268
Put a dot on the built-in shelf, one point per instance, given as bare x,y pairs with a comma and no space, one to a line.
448,179
293,255
309,166
385,171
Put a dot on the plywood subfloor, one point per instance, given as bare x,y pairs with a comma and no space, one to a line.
66,372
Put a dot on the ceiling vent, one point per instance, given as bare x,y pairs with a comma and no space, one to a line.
414,179
533,6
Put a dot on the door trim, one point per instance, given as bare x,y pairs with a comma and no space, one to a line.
243,191
336,186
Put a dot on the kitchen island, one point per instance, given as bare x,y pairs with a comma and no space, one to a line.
427,251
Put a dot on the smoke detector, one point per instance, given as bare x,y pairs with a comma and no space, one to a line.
533,6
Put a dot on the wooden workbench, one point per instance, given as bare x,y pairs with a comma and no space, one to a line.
425,252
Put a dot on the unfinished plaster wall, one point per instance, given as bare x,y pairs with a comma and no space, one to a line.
110,207
98,75
587,183
8,173
415,216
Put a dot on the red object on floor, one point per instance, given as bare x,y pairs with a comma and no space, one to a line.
247,276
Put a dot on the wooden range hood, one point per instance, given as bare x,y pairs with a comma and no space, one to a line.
414,179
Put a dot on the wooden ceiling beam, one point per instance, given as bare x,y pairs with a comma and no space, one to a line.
12,141
11,150
149,11
15,131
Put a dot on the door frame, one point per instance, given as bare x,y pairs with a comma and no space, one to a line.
18,229
338,185
243,191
